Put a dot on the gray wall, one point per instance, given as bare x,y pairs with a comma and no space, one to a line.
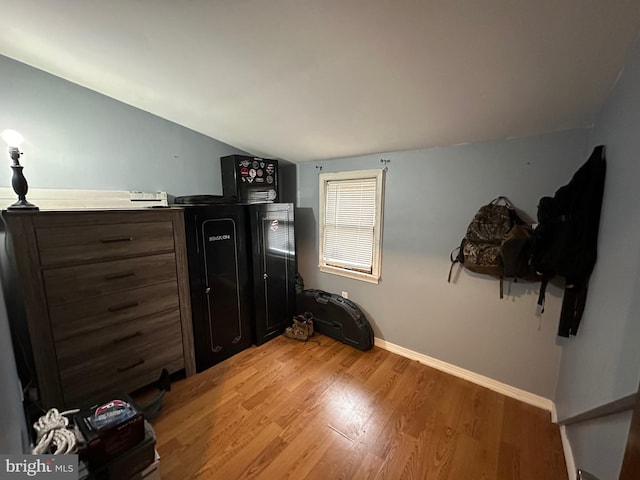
77,138
430,197
598,445
603,362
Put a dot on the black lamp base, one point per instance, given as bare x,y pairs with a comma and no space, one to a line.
22,204
19,184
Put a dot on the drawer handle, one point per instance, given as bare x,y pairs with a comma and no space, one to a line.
115,276
129,367
116,239
124,306
128,337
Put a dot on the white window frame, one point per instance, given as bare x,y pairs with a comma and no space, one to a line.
376,261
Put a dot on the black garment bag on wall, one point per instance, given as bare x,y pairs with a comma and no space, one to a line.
566,239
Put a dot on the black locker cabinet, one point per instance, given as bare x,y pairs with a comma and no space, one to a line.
274,268
221,300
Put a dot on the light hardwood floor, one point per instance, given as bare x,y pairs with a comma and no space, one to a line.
321,409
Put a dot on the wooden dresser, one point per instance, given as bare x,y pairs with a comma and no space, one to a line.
106,295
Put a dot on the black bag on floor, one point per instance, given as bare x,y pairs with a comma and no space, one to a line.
337,318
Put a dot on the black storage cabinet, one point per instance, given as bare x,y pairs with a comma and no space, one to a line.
242,267
274,268
221,297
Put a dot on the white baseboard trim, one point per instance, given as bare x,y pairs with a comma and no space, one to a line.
491,384
566,446
568,454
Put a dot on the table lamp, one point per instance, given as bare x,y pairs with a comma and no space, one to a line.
18,182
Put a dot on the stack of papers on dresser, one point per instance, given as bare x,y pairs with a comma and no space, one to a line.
62,199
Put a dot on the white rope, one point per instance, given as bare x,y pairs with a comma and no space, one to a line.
53,435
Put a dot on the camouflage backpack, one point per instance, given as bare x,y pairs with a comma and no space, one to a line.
491,246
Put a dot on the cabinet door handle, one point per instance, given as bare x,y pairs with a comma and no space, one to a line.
116,239
124,306
115,276
129,367
128,337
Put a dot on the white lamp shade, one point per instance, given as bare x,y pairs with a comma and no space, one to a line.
12,138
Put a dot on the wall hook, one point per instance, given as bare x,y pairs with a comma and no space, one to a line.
385,162
319,167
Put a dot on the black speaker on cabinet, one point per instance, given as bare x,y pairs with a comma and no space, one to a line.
250,179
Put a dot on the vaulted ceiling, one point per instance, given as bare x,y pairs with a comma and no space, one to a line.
307,80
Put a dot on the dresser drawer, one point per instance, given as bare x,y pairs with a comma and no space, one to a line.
98,314
120,359
89,243
119,344
81,391
70,284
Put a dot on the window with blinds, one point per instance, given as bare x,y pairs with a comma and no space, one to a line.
350,223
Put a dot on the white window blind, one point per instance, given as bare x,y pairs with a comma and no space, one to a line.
350,216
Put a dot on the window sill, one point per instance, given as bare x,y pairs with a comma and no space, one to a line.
365,277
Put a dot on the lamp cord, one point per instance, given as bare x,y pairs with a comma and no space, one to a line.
53,435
